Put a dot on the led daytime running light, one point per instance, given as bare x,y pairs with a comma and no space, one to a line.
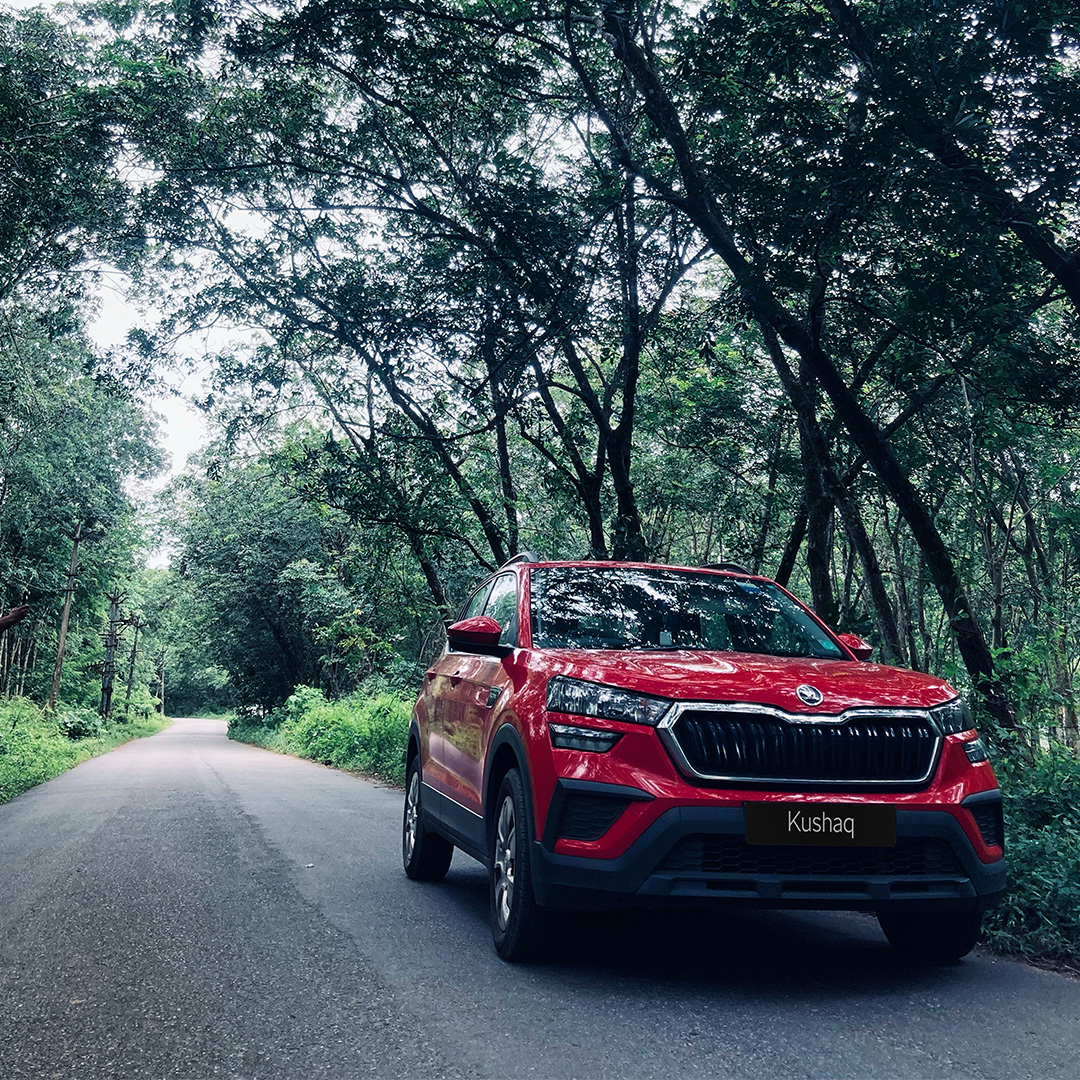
568,737
976,751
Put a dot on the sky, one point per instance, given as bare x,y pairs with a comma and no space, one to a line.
183,427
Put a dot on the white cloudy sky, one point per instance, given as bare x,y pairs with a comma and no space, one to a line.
183,427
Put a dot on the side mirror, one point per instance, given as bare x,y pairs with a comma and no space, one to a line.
860,648
480,630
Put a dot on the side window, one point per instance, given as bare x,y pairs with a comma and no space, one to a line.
475,606
502,606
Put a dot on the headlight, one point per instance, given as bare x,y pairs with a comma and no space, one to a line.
953,717
604,702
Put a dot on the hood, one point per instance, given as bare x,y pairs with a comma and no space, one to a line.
690,675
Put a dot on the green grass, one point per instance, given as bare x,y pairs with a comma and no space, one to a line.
36,745
362,733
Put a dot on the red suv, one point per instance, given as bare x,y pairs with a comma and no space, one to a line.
602,733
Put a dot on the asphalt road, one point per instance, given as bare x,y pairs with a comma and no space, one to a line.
190,907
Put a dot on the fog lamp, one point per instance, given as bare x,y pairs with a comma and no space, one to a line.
568,737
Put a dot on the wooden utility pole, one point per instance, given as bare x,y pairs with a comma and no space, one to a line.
137,623
69,589
108,668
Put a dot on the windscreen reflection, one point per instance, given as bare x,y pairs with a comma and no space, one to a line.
634,608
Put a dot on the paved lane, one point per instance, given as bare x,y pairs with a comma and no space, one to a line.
159,918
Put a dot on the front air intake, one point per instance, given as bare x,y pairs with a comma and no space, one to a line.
586,816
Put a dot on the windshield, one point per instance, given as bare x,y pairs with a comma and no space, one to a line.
577,607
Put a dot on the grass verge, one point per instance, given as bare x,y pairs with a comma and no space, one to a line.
359,732
36,745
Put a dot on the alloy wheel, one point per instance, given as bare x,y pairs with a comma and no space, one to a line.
503,867
412,810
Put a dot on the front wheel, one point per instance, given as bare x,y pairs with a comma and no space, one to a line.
515,915
425,855
933,936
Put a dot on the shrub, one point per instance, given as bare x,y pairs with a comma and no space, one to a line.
79,722
36,745
356,732
1040,913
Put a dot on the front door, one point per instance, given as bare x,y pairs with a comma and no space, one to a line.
442,699
470,713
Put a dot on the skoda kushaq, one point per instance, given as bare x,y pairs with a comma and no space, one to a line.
601,734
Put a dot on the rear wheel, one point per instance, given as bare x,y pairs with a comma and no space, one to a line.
515,915
932,936
425,855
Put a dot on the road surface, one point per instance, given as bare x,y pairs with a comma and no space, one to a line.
190,907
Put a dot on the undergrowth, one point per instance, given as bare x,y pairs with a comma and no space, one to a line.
36,745
1039,916
360,732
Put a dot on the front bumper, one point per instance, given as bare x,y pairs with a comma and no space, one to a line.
695,854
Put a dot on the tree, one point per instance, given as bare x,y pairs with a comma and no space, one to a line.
62,202
71,438
276,590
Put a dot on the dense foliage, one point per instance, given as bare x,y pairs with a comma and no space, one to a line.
366,731
1040,914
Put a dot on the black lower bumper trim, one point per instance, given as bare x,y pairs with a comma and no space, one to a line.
645,874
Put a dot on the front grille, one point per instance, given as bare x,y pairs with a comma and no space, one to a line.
730,855
758,747
587,817
989,819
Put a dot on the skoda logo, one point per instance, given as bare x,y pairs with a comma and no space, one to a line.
809,695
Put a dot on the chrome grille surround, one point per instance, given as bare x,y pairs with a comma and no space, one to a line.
919,717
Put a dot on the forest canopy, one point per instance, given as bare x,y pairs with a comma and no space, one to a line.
794,285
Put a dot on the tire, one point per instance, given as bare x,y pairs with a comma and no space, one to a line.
934,937
425,855
516,918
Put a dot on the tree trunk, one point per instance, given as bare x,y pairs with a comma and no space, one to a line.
108,668
502,450
791,548
903,604
628,539
819,534
431,576
757,552
772,315
54,692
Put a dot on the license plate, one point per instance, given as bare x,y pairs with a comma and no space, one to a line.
821,824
